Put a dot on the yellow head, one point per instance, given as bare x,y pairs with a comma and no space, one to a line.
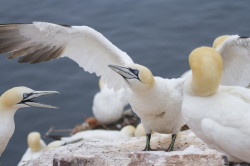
219,40
138,77
21,96
13,96
206,64
34,141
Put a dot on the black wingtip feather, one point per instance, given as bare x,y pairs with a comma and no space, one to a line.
244,37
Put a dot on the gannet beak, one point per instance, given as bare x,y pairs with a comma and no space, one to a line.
125,72
28,98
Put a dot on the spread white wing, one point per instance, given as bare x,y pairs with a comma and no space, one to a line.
42,41
235,51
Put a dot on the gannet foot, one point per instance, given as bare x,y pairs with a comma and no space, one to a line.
171,146
148,149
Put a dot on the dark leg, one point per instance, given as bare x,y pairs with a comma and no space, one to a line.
171,146
147,148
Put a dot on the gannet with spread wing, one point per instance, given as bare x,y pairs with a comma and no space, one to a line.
10,102
155,100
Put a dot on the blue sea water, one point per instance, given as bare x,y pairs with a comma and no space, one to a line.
158,34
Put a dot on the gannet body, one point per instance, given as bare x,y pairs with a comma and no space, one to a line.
10,102
108,104
36,146
159,109
42,41
218,114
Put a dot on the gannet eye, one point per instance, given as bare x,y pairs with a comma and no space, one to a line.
134,71
25,95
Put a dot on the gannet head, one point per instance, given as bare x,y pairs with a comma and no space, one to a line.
19,97
219,40
138,77
206,65
34,141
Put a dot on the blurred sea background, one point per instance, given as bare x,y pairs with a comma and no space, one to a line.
159,34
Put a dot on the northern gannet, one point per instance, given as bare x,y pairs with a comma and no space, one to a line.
218,114
108,104
36,146
155,100
235,52
10,102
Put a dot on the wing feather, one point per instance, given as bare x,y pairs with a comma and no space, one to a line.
40,41
235,52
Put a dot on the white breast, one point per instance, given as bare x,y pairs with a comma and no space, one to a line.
7,127
221,120
160,108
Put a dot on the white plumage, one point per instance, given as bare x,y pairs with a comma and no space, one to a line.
10,102
155,100
99,134
108,104
221,118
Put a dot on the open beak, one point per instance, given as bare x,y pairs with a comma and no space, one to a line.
28,98
125,72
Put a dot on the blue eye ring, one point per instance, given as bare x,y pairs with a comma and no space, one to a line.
25,95
134,71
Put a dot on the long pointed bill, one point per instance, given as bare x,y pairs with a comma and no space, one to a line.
125,72
28,99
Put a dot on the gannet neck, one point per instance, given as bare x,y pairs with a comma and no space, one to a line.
206,65
11,97
7,125
219,40
7,111
34,141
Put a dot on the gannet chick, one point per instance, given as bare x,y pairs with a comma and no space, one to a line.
218,114
108,104
10,102
155,100
35,147
139,131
